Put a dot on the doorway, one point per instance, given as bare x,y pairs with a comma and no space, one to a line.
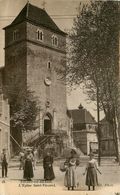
47,125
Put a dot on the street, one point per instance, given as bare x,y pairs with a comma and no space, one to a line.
110,177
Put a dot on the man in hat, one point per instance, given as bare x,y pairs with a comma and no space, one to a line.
4,162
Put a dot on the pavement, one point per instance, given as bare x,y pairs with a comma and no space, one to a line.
109,181
110,176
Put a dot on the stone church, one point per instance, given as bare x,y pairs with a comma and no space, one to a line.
35,51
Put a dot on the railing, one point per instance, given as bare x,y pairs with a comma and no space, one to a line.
45,139
40,140
15,141
33,138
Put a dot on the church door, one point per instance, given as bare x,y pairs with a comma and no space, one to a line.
47,125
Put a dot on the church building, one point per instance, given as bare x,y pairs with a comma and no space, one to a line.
35,52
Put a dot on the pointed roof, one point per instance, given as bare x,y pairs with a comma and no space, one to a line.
37,16
82,115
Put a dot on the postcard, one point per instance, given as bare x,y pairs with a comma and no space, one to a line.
59,97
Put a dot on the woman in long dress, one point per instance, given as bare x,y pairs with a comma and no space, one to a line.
48,167
70,180
28,167
91,172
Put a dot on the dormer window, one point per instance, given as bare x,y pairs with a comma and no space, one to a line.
15,35
54,40
40,35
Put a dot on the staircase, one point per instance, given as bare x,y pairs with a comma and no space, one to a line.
32,141
40,140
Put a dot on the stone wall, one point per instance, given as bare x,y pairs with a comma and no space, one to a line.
15,70
39,54
26,67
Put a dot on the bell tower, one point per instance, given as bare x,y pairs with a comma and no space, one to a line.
34,50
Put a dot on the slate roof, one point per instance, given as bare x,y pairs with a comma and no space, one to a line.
81,116
37,16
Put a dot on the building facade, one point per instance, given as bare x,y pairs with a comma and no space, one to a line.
84,130
4,118
35,52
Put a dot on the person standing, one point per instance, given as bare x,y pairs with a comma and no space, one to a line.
48,167
91,172
4,162
28,167
70,180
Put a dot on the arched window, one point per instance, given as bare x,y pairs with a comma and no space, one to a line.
54,40
40,35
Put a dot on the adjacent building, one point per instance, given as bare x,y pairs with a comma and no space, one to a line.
84,130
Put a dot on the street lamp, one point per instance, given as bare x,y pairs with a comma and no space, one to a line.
98,126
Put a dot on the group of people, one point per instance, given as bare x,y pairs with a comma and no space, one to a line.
70,167
91,170
28,163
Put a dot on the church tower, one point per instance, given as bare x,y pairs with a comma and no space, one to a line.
34,50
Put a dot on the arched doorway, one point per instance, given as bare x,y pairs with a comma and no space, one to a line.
47,124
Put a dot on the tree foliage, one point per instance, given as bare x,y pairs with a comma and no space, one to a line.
24,113
94,55
93,58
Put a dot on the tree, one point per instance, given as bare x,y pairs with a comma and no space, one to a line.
23,114
94,53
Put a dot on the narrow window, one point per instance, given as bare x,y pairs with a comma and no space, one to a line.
54,40
49,65
15,35
39,35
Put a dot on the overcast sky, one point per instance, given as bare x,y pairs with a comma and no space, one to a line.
62,12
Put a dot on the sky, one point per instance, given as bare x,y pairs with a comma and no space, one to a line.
62,12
